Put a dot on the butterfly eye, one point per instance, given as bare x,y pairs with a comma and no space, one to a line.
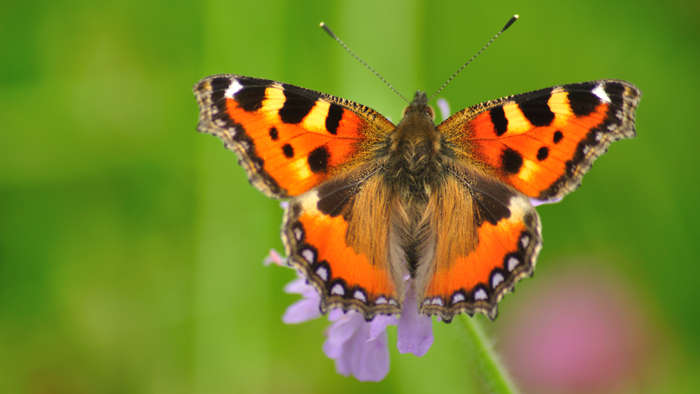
429,111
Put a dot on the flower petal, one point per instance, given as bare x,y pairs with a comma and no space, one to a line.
335,314
274,258
371,361
340,332
302,311
444,107
379,325
366,360
414,331
297,286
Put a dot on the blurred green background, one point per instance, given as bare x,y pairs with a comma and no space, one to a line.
131,246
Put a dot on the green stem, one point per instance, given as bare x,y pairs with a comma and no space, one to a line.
488,364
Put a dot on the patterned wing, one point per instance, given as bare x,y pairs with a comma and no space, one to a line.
337,234
479,253
288,139
543,142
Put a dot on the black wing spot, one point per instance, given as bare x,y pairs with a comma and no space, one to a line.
583,102
274,134
542,153
500,122
512,161
288,151
537,110
251,98
318,159
295,107
335,114
558,135
220,83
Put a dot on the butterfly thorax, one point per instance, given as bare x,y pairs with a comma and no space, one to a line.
413,154
414,169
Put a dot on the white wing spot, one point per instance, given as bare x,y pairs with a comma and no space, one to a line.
392,301
436,301
308,255
380,301
512,263
525,240
586,149
598,136
497,279
234,88
322,273
298,234
359,295
481,295
338,289
599,91
459,297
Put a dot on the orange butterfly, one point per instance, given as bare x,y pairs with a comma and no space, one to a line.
450,206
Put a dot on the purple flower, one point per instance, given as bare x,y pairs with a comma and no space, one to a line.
444,108
414,331
360,348
307,308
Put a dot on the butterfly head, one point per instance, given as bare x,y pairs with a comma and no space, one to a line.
419,107
415,143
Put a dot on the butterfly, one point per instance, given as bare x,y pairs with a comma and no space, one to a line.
448,210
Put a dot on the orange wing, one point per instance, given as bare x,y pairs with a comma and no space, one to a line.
288,139
480,253
542,142
338,236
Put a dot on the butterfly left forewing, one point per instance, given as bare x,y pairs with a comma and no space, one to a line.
288,139
543,142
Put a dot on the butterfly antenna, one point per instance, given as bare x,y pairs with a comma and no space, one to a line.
333,36
510,22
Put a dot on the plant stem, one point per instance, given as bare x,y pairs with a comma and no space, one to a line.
488,363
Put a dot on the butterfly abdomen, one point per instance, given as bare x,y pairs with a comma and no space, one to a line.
414,168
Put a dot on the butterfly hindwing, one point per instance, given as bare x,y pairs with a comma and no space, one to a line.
481,252
288,139
336,234
542,142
